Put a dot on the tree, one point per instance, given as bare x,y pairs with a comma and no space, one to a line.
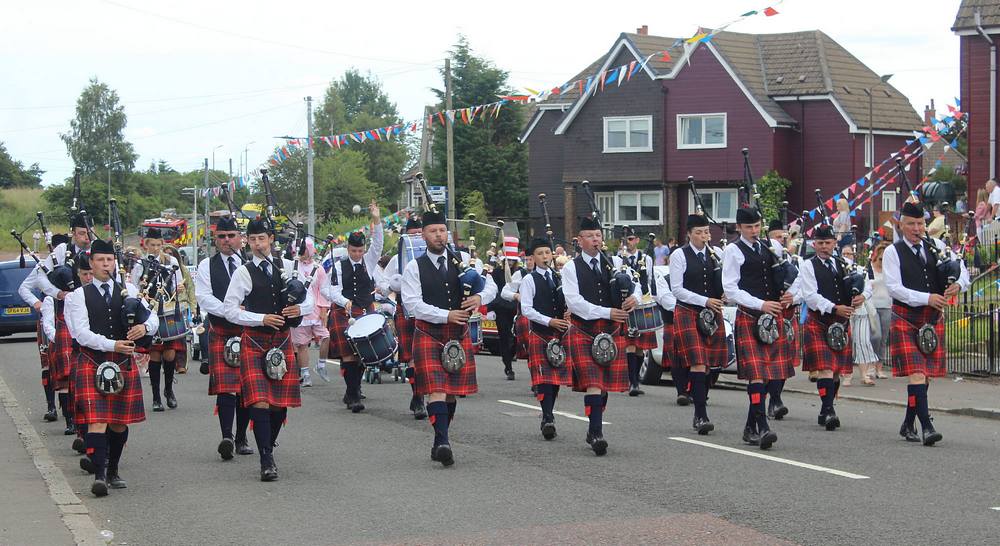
14,175
96,138
488,155
340,180
773,188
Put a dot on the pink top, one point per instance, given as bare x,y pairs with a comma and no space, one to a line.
983,210
319,278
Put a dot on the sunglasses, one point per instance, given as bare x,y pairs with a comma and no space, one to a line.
227,235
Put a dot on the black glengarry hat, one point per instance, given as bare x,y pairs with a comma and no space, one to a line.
696,221
227,223
747,215
912,210
537,243
101,246
588,223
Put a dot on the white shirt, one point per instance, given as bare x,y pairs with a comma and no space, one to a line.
514,284
413,294
37,280
66,315
575,301
664,296
240,287
894,278
732,261
76,311
678,266
165,259
527,292
995,196
203,284
49,318
810,287
649,267
335,292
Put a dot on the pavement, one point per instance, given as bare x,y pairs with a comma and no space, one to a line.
368,478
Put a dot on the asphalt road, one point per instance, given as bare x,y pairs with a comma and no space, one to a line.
368,478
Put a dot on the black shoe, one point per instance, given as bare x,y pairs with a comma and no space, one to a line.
703,426
820,419
88,466
548,430
346,401
203,368
171,400
750,437
69,430
909,433
357,406
931,436
243,448
157,405
78,445
831,421
226,448
683,400
767,439
99,489
780,411
444,455
599,445
590,438
115,481
510,374
418,409
269,473
633,390
51,415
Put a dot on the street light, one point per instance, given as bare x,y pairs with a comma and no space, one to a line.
246,158
213,154
871,147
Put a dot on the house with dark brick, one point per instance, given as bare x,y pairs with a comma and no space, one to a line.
798,101
977,25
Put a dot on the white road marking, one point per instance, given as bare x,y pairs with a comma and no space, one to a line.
537,408
997,508
772,458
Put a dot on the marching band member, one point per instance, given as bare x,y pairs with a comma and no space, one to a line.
60,351
919,295
642,264
543,304
776,234
269,383
747,281
351,291
164,354
85,274
392,281
587,289
698,347
829,300
505,308
102,336
434,296
313,327
211,284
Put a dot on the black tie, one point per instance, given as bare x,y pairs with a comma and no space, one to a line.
701,256
442,267
107,293
829,265
265,269
916,250
232,266
756,247
548,278
358,268
593,265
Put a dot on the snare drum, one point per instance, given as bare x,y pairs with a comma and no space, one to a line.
372,338
476,329
645,317
172,326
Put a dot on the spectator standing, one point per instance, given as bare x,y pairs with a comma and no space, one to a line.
883,309
994,200
842,224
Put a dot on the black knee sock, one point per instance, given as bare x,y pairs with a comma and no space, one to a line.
452,407
836,386
911,405
277,421
50,392
679,375
699,392
357,376
547,399
168,375
634,362
409,374
594,408
261,418
116,445
154,379
757,396
97,449
825,387
242,421
66,407
923,412
774,388
226,403
438,414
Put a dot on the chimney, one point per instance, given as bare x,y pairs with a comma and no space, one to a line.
929,113
643,30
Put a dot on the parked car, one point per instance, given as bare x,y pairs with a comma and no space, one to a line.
16,316
654,365
491,339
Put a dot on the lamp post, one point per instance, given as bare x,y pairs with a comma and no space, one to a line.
870,91
244,171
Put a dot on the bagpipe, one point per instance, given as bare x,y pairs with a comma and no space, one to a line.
133,311
852,277
949,268
552,242
61,276
783,270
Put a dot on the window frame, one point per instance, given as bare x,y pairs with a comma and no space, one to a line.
715,201
894,203
628,134
702,146
638,207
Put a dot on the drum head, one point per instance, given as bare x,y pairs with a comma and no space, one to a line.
366,325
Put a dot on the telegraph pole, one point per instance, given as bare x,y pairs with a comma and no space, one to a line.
450,137
309,167
195,236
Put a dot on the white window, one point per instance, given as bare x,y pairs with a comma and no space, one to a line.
631,207
719,204
628,134
868,151
889,200
701,131
606,204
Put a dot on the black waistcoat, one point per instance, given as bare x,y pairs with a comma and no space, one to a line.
444,292
218,272
265,293
828,285
357,288
596,289
755,273
915,275
697,275
105,320
547,301
638,264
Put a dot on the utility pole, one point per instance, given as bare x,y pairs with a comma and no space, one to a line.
450,136
309,167
195,236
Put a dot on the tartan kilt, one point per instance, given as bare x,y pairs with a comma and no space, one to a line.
256,386
906,356
541,372
429,375
124,408
794,346
404,335
586,372
643,341
61,356
340,347
817,354
691,347
758,361
222,378
521,327
178,345
40,338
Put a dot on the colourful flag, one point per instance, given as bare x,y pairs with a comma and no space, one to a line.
770,12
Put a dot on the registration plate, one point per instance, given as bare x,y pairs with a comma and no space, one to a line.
9,311
489,324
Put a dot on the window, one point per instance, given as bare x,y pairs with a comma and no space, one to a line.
720,204
632,134
889,200
631,207
868,151
701,131
606,204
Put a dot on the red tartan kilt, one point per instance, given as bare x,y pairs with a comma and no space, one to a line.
177,345
644,341
541,372
692,348
817,354
124,408
340,347
906,356
222,378
40,338
521,327
793,348
586,372
61,355
429,375
256,386
758,361
404,335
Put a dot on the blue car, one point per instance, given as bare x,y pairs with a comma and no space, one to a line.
15,315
